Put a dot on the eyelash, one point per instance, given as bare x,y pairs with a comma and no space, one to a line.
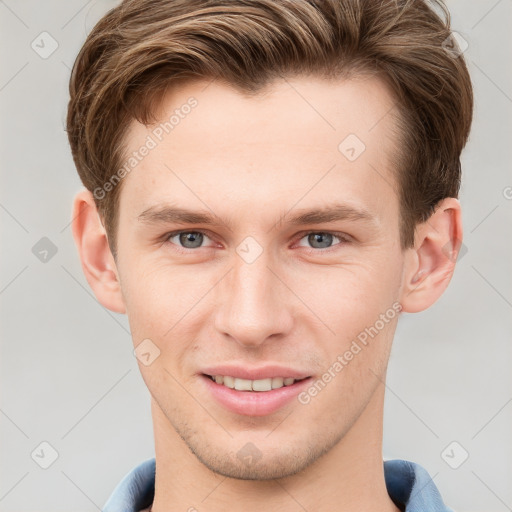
344,239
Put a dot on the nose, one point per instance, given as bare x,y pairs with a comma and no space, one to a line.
255,304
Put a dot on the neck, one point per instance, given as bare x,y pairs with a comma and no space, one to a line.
348,478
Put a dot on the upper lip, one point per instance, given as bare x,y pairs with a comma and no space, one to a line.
264,372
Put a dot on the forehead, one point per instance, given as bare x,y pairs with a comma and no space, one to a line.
301,140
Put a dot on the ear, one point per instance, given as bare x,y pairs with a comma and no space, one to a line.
98,264
429,266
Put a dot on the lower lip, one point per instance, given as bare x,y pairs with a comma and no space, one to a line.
254,403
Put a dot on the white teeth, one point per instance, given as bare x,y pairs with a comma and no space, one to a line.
262,385
229,382
243,385
253,385
277,382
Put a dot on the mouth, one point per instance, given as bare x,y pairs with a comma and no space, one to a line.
253,397
259,385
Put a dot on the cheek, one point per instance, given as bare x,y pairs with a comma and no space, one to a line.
351,297
152,296
168,305
358,305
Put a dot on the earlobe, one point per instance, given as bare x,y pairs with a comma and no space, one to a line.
429,266
98,264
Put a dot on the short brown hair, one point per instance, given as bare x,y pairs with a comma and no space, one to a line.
142,47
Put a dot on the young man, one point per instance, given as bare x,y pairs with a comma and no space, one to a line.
269,184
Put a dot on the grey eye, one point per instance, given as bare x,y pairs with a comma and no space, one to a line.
191,239
323,239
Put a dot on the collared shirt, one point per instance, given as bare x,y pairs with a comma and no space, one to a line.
408,484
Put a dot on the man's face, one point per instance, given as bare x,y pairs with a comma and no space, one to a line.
254,294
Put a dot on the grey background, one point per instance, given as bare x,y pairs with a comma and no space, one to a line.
68,376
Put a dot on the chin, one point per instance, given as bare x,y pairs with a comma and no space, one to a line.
260,459
268,467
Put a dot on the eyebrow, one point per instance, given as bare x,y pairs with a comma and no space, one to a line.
166,214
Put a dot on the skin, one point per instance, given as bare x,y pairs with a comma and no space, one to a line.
254,162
